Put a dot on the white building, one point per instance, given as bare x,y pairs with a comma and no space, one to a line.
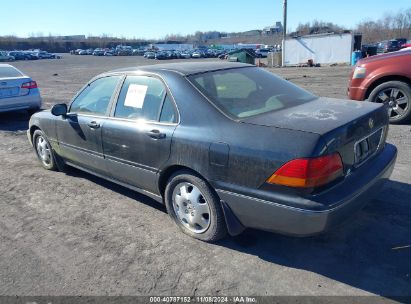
321,48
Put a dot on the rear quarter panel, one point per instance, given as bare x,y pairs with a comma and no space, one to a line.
248,154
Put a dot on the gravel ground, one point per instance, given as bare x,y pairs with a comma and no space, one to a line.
74,234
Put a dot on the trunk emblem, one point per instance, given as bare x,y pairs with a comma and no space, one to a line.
371,123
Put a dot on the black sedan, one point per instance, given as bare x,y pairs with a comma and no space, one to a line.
224,146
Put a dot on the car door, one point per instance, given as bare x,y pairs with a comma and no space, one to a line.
137,137
79,132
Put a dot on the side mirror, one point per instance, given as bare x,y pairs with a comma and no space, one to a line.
59,109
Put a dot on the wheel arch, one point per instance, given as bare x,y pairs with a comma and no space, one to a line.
33,129
384,79
233,224
169,171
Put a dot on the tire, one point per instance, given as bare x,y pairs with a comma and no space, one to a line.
44,151
398,95
195,207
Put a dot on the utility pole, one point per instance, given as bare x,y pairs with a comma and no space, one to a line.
284,32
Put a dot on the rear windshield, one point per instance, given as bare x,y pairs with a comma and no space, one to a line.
246,92
8,71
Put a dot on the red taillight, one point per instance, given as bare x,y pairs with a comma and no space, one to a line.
308,172
29,85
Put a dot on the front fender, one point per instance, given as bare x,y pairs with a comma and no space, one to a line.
46,122
377,75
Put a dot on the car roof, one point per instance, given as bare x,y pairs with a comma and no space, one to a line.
187,68
3,65
6,65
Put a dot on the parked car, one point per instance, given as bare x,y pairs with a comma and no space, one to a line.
150,55
30,55
185,55
19,55
47,55
161,55
262,53
172,55
223,56
17,91
53,56
98,52
401,42
197,54
388,46
384,79
124,52
368,50
229,164
5,57
138,52
83,52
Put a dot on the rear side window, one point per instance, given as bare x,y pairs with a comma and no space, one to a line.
247,92
95,98
140,98
233,85
168,112
9,71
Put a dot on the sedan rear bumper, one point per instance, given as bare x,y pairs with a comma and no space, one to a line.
338,203
30,101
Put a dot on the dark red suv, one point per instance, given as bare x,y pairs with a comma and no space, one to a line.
384,79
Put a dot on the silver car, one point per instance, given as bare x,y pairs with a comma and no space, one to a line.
17,91
5,57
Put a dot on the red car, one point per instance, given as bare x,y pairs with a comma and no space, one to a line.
386,79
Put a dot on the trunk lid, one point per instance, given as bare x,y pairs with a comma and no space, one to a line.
11,87
357,130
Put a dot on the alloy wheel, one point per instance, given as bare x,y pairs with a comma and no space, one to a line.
397,101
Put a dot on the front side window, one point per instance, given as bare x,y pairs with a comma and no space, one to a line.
246,92
140,97
95,98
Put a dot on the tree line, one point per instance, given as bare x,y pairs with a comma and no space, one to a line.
390,26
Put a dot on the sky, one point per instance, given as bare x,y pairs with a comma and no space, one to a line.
154,19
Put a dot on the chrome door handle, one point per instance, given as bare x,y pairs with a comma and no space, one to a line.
156,134
93,125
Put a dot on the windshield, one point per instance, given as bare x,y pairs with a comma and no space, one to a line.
246,92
